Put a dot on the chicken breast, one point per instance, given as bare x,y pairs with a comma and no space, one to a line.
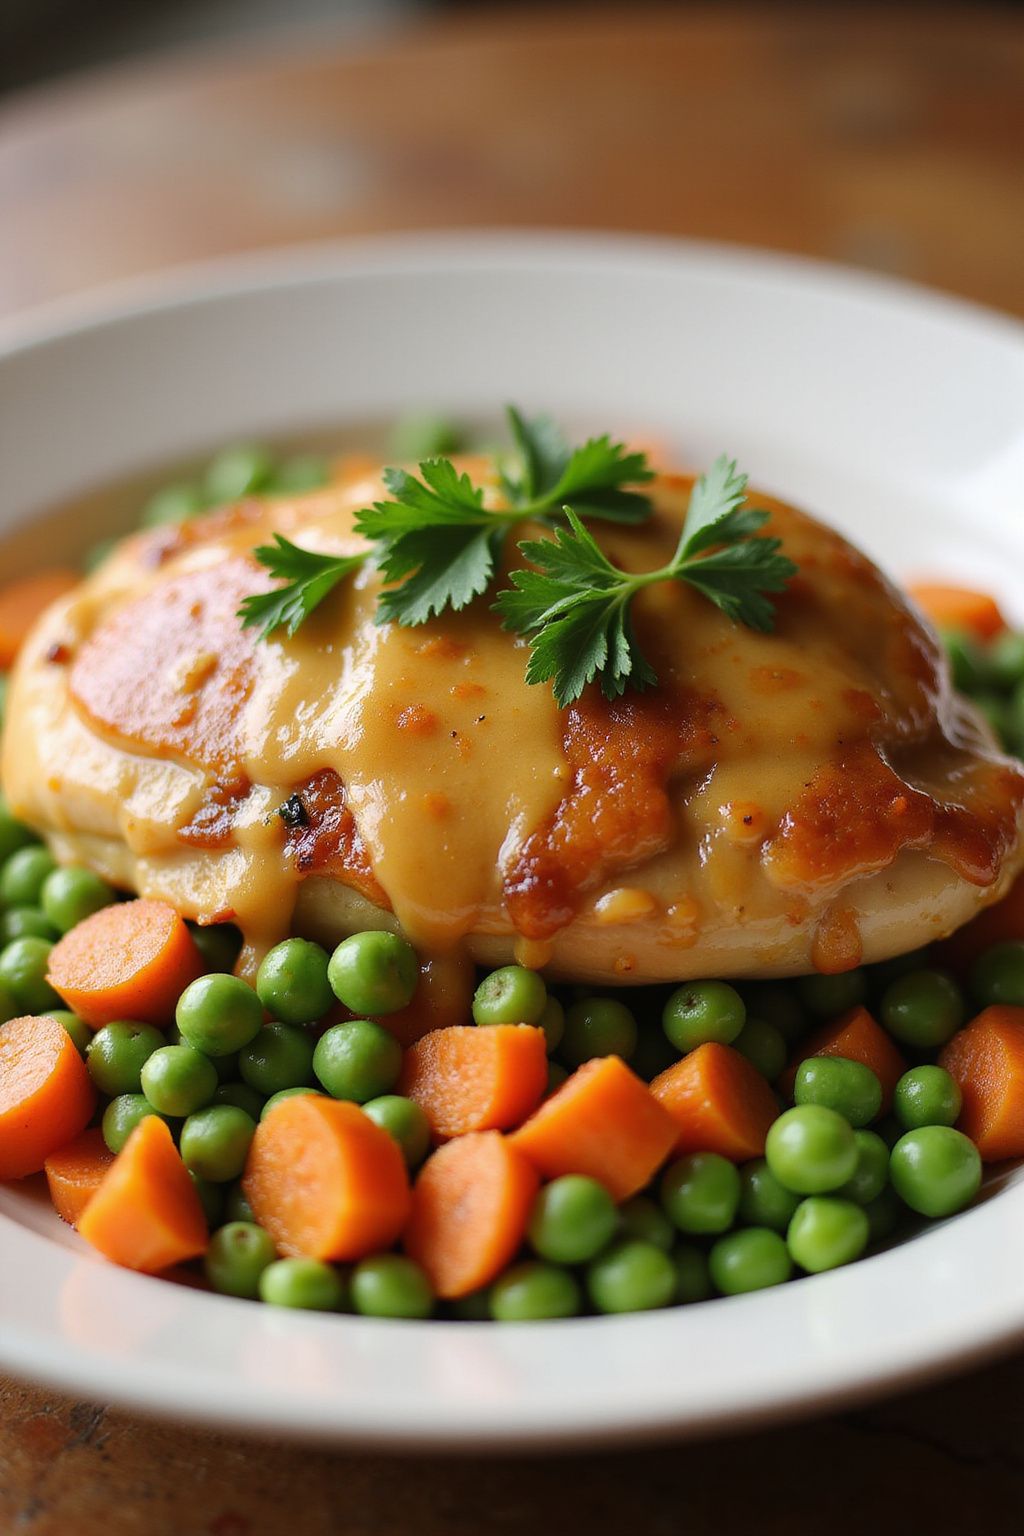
779,803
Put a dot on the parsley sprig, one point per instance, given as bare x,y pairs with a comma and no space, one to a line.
576,606
308,578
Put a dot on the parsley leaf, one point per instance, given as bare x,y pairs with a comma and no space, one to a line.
575,604
309,578
591,477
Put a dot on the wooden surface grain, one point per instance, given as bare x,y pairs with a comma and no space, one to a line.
887,138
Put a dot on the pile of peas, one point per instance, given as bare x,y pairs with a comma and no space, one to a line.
992,674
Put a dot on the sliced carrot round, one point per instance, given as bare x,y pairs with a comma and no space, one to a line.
46,1094
75,1173
146,1214
964,608
128,961
472,1078
24,600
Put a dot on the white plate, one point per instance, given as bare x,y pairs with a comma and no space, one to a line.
896,414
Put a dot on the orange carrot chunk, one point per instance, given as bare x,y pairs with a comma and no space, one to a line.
470,1206
129,961
856,1036
948,607
603,1121
718,1101
472,1078
22,601
987,1060
75,1173
46,1094
146,1214
996,925
325,1180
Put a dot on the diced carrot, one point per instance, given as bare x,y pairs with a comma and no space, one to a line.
46,1094
325,1180
604,1122
146,1214
470,1206
987,1060
75,1173
856,1036
22,601
471,1078
129,961
950,607
718,1102
444,993
995,925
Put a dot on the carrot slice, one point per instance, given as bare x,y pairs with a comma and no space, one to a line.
129,961
718,1101
22,601
46,1094
856,1036
75,1173
470,1206
603,1121
468,1078
325,1180
987,1060
949,607
996,925
146,1214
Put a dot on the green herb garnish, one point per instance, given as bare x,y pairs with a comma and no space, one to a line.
308,578
576,605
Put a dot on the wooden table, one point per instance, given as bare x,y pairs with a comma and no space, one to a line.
888,139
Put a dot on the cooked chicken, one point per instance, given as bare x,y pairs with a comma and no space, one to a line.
810,798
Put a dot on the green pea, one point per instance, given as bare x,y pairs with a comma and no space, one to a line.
405,1121
749,1260
1005,659
236,1206
997,975
967,660
218,943
764,1047
374,972
890,1130
13,833
572,1220
923,1009
172,504
826,1232
532,1291
700,1193
642,1218
72,894
26,922
693,1278
302,472
935,1170
871,1174
211,1198
77,1028
552,1022
241,1096
416,437
236,1258
631,1276
292,982
9,1006
884,1214
360,1060
24,874
884,972
117,1053
287,1093
597,1026
280,1056
557,1075
178,1080
811,1149
305,1284
828,996
701,1011
926,1096
1002,715
776,1005
23,967
511,995
764,1202
390,1285
122,1115
215,1142
244,470
219,1014
848,1087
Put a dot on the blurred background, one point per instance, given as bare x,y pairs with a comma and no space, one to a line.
136,134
